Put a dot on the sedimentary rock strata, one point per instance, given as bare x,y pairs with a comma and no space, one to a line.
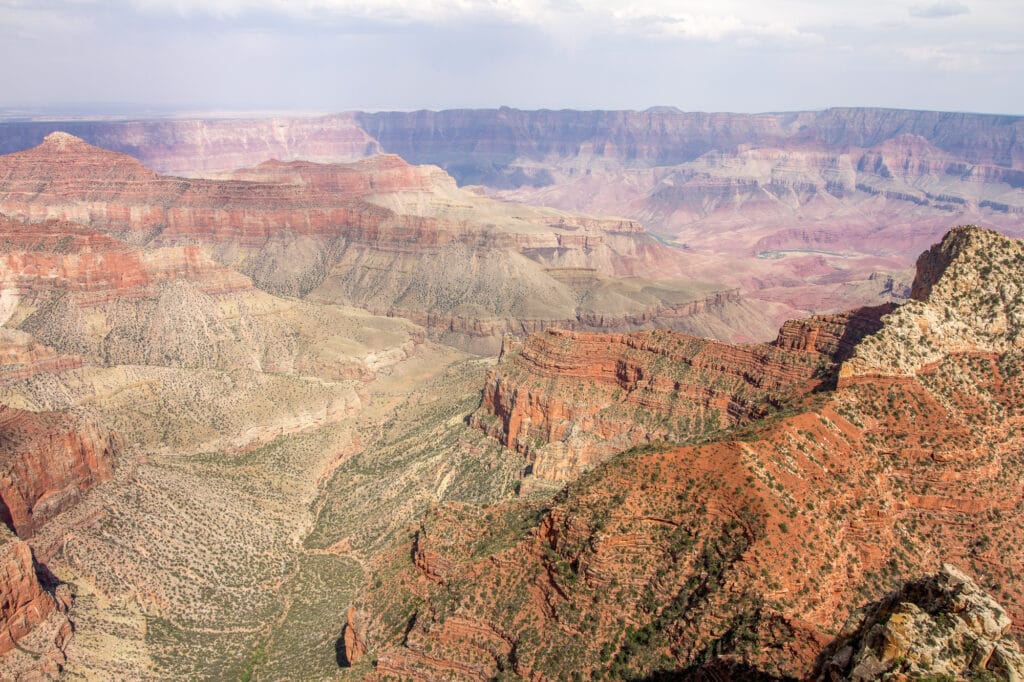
34,627
743,555
396,239
49,460
567,400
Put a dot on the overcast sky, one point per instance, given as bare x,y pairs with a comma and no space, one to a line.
334,55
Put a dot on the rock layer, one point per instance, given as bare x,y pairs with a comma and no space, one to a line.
23,602
769,203
84,296
381,234
49,460
568,400
741,555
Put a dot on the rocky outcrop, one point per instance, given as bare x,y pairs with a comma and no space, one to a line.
39,260
569,400
34,627
744,553
352,647
941,626
968,297
49,459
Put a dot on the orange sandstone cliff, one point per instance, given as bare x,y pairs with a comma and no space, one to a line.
48,460
568,400
34,627
741,556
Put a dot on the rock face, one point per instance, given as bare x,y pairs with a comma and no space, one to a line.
352,646
742,555
49,459
968,297
31,619
22,357
42,259
768,203
380,234
23,602
941,625
568,400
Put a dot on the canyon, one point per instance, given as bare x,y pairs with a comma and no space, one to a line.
380,234
493,394
741,553
796,209
567,400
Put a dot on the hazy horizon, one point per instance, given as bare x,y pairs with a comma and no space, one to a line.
113,113
172,57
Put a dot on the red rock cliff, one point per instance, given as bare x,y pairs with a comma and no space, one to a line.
741,557
24,604
34,628
568,399
47,460
40,259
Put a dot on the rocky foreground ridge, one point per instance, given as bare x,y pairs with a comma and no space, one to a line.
396,239
940,625
34,627
740,556
48,460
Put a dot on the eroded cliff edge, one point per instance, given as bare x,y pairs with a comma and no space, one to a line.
744,552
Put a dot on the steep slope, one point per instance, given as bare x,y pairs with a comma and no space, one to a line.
91,297
942,625
568,400
48,460
380,234
742,555
34,628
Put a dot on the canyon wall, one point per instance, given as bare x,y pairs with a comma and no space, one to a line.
49,460
395,239
797,209
740,556
568,400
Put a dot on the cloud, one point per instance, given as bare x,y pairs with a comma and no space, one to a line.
746,55
939,9
702,26
949,59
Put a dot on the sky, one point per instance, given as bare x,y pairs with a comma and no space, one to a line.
170,56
